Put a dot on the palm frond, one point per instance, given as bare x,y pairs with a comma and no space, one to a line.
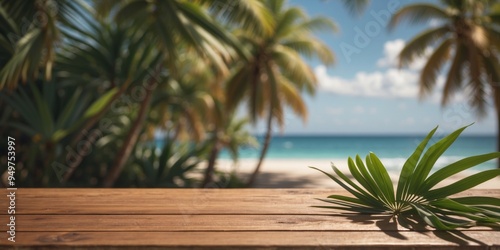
252,15
417,46
291,96
235,85
32,46
454,77
287,22
417,14
294,67
356,6
415,194
275,6
478,97
430,72
311,48
318,24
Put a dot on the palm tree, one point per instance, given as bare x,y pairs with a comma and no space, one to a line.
468,38
45,122
276,74
231,137
186,104
113,58
172,25
109,57
87,57
28,37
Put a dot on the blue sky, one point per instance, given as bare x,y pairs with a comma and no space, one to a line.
365,92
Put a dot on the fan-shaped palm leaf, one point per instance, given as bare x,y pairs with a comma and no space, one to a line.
373,189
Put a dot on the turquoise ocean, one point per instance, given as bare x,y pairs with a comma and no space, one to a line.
392,150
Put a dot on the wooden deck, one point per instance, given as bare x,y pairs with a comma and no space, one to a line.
212,218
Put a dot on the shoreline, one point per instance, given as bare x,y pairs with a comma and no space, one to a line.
295,173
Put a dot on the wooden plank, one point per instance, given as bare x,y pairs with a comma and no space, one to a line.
153,223
273,239
177,201
214,218
165,201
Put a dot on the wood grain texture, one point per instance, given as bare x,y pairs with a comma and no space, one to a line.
177,201
214,218
154,223
430,240
167,201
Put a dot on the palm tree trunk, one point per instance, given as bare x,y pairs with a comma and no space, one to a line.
267,140
130,141
207,179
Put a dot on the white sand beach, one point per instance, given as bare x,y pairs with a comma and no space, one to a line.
295,173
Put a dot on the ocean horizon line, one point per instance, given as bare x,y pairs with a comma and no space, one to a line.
356,135
368,135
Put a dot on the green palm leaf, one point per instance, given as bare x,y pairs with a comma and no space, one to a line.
366,183
409,168
463,184
100,103
457,167
374,192
428,160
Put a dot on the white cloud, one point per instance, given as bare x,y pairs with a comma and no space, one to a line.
387,82
391,53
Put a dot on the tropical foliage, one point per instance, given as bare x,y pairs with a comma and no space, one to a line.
87,86
275,74
468,37
416,196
